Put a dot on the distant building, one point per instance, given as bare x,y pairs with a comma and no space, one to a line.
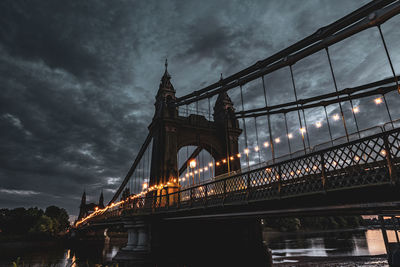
86,209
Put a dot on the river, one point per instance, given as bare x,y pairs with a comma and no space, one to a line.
343,248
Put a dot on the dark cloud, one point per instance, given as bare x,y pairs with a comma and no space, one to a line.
78,80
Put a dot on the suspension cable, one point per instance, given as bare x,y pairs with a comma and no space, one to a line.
389,59
268,122
329,125
298,111
244,126
336,89
354,116
287,135
305,125
258,145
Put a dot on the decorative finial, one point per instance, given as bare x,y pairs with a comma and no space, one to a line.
166,64
221,77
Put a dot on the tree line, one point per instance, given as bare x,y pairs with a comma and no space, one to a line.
33,222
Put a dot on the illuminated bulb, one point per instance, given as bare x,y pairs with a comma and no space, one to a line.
292,173
201,170
378,100
356,109
266,144
210,164
174,180
246,151
217,163
268,169
302,130
383,152
307,169
145,185
238,155
315,168
231,158
191,173
336,117
318,124
195,172
277,140
298,171
224,161
206,168
356,158
187,175
192,163
256,148
290,135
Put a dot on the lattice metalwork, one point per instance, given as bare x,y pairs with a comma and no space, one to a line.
370,161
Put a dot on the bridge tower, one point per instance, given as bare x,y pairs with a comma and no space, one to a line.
171,132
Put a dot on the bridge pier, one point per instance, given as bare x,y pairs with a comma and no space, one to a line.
164,243
137,250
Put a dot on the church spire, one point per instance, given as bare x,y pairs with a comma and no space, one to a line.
101,200
83,200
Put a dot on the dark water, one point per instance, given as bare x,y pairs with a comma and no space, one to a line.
298,247
293,248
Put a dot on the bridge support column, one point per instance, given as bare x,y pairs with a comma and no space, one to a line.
136,252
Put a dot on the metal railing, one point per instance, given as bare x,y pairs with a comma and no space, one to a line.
369,161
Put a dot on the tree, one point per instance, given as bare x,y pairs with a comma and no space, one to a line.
59,216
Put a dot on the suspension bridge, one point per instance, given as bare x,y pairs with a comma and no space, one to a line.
206,162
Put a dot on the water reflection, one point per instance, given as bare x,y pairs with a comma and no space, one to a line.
289,247
285,247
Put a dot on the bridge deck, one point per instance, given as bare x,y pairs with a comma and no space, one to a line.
361,171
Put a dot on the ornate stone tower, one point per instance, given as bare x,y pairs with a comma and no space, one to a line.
171,132
164,165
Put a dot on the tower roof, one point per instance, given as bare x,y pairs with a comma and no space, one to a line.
166,87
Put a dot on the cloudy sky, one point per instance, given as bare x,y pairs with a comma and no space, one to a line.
78,79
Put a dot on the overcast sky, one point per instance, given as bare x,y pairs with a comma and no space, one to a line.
78,79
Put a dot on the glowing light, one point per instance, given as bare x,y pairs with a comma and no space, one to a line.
383,152
356,158
224,161
201,170
336,117
292,173
187,175
238,155
210,164
378,100
191,173
195,172
318,124
145,185
206,168
356,109
184,179
96,209
256,148
315,168
298,171
174,180
302,130
192,163
290,135
232,158
246,151
266,144
277,140
217,163
307,169
268,169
